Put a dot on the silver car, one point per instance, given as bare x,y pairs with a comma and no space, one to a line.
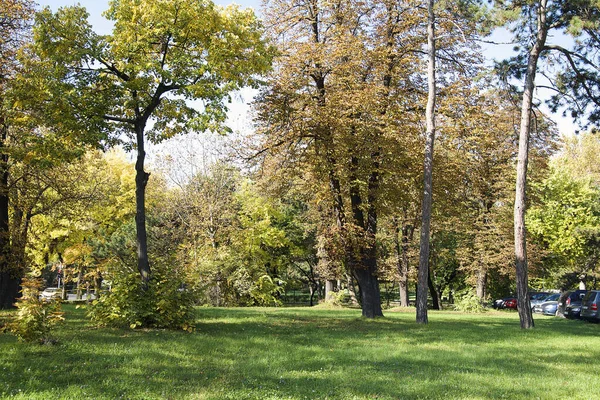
589,306
537,304
51,293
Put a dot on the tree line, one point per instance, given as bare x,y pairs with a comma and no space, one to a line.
376,123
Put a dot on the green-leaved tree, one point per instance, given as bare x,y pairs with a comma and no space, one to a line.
137,83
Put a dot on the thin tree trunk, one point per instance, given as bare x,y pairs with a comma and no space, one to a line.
329,292
436,304
481,282
141,180
427,172
402,259
524,306
9,278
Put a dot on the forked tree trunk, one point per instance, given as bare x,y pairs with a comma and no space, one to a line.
427,172
523,305
366,276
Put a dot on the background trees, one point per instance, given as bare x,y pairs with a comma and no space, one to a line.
332,193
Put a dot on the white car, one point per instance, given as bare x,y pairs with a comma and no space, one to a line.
51,293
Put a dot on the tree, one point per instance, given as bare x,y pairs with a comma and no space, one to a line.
577,83
138,82
15,16
566,219
535,21
338,109
427,168
455,50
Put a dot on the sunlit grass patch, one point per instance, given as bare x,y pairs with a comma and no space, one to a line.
304,353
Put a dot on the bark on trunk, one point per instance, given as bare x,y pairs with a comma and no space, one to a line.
523,305
141,180
402,258
369,288
10,278
407,234
427,172
364,268
329,292
436,303
9,289
481,283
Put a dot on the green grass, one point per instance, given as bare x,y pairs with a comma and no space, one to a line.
302,353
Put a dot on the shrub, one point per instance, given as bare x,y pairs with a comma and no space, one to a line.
467,301
35,318
163,304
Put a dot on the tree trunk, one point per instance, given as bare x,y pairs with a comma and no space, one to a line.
10,279
402,258
329,292
79,280
10,285
141,180
369,287
427,172
481,283
523,305
436,304
364,267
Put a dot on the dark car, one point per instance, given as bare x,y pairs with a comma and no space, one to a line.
537,307
589,306
570,307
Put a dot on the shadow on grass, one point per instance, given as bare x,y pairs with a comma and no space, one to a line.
308,353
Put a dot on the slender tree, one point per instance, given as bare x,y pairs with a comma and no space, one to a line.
423,273
535,22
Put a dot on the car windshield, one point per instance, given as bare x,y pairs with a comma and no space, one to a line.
553,297
539,296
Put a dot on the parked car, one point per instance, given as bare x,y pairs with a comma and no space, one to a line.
511,303
589,306
499,304
538,298
549,307
538,305
51,293
572,304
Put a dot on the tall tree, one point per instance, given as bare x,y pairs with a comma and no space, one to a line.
450,57
535,21
336,107
15,17
423,273
139,81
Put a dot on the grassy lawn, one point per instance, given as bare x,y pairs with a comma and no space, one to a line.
302,353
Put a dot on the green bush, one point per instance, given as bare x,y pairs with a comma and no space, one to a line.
467,301
163,304
35,318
